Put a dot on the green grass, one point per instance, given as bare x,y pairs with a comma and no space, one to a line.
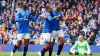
35,54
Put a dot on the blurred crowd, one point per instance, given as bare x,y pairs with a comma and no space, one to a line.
83,16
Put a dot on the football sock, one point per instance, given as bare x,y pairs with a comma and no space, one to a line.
60,49
25,50
15,48
44,50
50,51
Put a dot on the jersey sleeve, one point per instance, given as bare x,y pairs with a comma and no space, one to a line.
49,17
74,46
17,18
33,18
88,47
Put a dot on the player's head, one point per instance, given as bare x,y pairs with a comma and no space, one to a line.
58,5
49,8
80,37
24,5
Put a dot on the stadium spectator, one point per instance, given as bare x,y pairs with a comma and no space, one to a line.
91,38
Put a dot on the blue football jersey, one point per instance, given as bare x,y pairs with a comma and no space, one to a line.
48,23
23,18
56,22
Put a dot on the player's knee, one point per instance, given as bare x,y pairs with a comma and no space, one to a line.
19,42
51,45
61,40
26,45
47,44
61,43
26,41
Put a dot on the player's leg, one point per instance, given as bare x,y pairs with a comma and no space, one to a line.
17,45
50,51
19,42
60,47
61,39
48,44
46,48
26,42
54,35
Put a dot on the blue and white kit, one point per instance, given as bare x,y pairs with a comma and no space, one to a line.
23,18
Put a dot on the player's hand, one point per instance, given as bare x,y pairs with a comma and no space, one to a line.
57,16
43,16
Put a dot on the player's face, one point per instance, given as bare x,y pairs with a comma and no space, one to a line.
80,38
49,9
59,6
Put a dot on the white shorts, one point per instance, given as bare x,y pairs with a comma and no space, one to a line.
57,34
23,36
47,37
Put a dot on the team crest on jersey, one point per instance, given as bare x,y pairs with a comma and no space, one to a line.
25,17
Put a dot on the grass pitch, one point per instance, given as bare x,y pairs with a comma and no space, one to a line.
36,54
